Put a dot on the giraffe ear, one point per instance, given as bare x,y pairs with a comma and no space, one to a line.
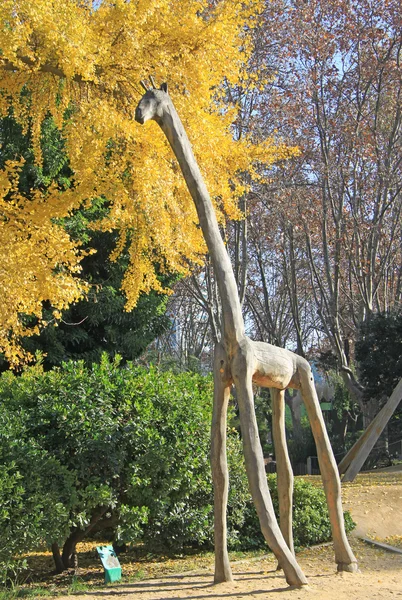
164,87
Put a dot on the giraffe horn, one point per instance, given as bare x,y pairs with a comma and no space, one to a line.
152,80
144,85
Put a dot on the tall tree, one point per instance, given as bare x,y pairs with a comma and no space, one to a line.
80,62
379,355
97,323
334,88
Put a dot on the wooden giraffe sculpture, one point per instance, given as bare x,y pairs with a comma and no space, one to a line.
241,361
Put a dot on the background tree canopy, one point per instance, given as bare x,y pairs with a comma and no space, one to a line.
320,253
80,63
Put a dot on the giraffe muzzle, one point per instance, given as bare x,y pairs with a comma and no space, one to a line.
138,116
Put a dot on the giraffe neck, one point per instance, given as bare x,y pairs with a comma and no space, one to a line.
233,324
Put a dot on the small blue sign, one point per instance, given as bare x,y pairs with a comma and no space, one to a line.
110,563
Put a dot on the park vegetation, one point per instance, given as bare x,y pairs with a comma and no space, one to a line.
122,454
294,110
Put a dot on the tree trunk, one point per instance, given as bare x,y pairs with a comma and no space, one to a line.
69,558
69,555
294,403
57,558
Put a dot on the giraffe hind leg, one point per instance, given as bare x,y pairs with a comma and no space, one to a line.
283,467
344,556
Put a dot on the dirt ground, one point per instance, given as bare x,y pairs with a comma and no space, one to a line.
375,502
380,577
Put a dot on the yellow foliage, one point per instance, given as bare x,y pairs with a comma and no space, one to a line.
89,57
37,260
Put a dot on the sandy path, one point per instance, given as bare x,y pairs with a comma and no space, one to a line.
380,577
376,510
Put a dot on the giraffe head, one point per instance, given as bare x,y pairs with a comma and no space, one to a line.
152,104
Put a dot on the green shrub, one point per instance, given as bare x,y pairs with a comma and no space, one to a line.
31,483
107,447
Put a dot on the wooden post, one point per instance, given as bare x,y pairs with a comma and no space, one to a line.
349,457
372,434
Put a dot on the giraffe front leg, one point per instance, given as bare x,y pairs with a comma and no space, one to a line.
344,556
242,375
220,475
283,467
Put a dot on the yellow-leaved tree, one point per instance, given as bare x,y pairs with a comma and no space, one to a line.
81,61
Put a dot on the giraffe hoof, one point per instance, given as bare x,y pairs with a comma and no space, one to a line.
348,567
